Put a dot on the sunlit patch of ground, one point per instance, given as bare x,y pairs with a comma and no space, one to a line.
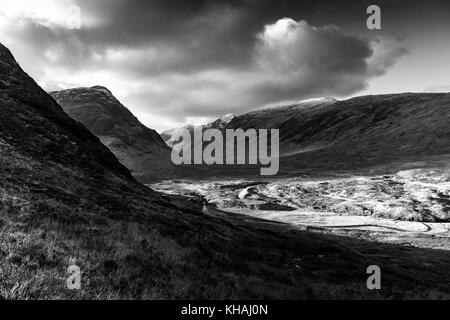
411,207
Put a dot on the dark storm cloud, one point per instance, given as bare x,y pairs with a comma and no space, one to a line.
205,33
202,34
291,60
207,57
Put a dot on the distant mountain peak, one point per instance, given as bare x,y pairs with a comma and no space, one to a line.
219,124
96,89
102,89
36,126
227,118
139,148
320,99
306,102
190,126
294,106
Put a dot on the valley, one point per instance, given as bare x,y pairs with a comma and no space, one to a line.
309,233
225,150
409,208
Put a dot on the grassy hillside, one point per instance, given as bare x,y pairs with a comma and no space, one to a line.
387,133
65,198
359,132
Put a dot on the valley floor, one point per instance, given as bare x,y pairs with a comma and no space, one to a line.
410,208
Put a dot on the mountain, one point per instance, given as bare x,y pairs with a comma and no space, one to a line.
137,147
66,200
219,124
168,135
359,132
386,131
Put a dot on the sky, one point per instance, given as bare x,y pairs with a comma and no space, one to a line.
173,62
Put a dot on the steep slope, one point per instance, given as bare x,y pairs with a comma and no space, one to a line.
391,132
33,123
359,132
137,147
65,199
63,195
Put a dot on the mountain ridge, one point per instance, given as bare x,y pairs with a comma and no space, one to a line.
354,134
16,87
219,124
138,147
66,199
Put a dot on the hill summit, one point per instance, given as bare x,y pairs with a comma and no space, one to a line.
139,148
